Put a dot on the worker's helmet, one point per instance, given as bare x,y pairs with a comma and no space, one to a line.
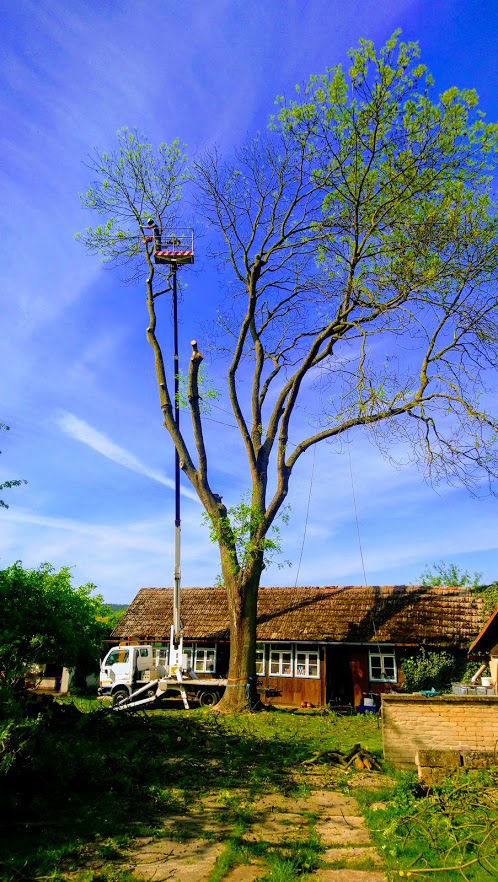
150,221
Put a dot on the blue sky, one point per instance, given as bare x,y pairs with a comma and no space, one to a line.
76,375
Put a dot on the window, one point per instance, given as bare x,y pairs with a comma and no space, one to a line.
188,657
119,655
144,652
161,655
307,662
260,659
205,659
383,666
281,661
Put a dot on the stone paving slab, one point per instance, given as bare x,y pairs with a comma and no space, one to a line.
330,800
282,827
353,853
180,862
316,801
246,873
344,830
349,876
193,840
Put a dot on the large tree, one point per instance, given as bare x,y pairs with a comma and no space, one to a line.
360,236
46,619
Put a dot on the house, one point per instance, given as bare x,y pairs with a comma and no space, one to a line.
487,642
49,678
315,645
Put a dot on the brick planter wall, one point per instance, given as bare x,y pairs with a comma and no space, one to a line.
451,722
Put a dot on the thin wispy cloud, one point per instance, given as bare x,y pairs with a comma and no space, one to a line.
119,557
85,433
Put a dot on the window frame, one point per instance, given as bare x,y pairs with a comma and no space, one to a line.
205,650
160,654
189,651
382,654
261,649
278,648
300,649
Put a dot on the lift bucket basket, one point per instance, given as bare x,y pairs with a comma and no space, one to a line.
175,247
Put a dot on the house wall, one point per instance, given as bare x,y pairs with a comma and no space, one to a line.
54,679
294,690
450,722
493,666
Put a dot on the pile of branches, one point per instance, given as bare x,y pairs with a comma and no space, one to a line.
357,758
451,832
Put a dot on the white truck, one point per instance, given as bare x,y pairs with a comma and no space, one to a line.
131,677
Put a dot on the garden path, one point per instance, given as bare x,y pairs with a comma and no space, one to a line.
268,838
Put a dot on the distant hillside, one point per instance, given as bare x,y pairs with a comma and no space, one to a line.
116,612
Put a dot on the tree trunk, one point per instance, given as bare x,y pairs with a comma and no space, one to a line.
241,693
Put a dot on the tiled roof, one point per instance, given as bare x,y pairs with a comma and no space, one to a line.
389,614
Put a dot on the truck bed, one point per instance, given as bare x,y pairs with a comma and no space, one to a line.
188,681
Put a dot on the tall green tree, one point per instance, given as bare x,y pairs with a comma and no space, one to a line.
449,574
360,237
46,619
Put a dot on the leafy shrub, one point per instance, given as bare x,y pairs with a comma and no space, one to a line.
435,668
447,833
489,595
45,619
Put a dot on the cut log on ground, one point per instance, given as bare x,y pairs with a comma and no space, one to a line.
358,757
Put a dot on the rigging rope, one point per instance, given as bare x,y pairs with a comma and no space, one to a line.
372,614
307,516
356,516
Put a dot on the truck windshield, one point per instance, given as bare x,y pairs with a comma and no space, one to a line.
119,655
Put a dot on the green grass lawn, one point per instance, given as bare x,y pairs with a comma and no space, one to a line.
83,782
80,783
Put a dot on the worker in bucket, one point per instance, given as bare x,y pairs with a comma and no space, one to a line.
152,225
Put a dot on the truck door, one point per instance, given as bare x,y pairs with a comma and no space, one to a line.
144,658
117,666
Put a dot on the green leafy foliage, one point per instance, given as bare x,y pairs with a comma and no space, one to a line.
489,595
112,617
240,525
435,669
46,619
406,178
449,832
449,574
207,392
133,183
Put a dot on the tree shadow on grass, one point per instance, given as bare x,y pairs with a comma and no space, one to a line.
81,784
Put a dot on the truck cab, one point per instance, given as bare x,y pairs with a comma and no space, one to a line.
128,669
125,668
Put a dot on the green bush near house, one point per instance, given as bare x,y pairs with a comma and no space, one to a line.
45,618
435,669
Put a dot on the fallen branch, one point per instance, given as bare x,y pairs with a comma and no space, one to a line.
358,757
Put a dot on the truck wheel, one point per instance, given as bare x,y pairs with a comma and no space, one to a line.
118,695
208,698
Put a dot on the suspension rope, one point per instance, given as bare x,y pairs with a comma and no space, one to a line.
356,516
307,516
359,543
